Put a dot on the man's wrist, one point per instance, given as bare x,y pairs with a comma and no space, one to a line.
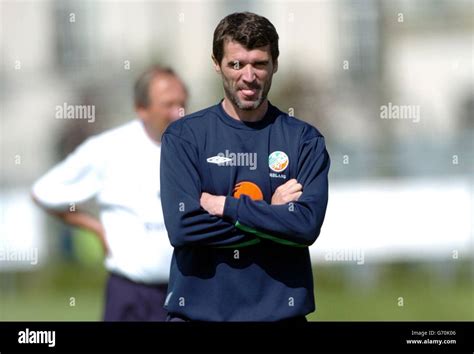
230,209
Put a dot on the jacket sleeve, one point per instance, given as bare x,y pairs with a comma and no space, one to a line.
74,180
186,222
294,224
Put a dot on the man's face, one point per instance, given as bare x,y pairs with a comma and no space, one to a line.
167,100
246,74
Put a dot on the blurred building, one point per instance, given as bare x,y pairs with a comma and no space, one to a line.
341,63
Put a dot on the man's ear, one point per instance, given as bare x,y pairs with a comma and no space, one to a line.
275,66
217,67
142,113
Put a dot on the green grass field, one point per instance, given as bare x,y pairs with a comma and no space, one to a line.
71,292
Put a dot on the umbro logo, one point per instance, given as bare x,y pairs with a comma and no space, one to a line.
218,159
228,158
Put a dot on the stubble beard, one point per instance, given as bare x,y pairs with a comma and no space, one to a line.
231,93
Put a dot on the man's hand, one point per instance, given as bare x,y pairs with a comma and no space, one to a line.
288,192
80,219
213,204
88,222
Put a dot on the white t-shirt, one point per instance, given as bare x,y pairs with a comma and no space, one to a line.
121,169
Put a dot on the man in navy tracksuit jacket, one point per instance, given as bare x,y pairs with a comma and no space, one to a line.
244,191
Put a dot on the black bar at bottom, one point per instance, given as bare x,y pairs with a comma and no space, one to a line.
136,337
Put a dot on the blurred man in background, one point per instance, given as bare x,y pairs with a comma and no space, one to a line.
120,169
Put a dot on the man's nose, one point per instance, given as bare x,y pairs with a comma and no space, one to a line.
248,74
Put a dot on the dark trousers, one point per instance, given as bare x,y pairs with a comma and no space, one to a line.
126,300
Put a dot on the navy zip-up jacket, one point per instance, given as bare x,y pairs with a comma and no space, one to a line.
253,263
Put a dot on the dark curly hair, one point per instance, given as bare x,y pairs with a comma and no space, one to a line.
249,29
